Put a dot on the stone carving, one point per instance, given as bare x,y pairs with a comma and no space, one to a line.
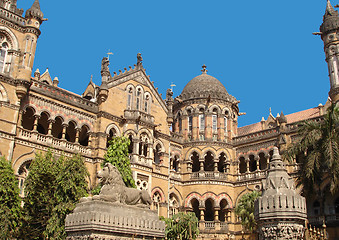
115,191
139,60
104,67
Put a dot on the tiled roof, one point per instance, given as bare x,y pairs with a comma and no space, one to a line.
291,118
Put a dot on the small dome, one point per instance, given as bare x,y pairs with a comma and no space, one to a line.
35,11
204,86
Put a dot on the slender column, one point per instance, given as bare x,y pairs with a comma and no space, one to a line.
135,146
201,160
202,215
256,158
238,166
267,160
150,150
90,138
64,126
215,165
50,126
35,124
20,118
77,133
216,214
247,165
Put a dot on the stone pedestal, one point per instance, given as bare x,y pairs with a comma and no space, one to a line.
96,219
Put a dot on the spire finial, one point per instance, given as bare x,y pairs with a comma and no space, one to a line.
204,70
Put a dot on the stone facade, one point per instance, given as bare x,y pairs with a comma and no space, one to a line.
187,151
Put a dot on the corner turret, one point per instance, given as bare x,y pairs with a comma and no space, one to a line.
35,15
329,32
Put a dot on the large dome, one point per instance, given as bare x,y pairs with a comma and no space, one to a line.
204,86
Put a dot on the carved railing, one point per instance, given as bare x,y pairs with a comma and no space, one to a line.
318,220
138,115
53,142
209,224
209,175
175,174
256,135
141,160
252,175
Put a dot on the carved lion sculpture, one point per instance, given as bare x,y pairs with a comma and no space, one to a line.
114,189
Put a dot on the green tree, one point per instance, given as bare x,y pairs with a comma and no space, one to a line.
117,155
182,225
52,189
318,152
10,210
245,210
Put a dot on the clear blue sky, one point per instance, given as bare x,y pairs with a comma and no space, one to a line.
262,51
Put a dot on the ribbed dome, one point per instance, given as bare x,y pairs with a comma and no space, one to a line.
204,86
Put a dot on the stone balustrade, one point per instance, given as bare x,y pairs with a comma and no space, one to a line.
252,175
209,175
138,115
53,142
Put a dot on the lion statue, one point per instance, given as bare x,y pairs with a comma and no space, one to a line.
114,189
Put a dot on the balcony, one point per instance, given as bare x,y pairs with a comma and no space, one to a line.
209,175
141,160
139,116
53,142
213,226
252,175
318,220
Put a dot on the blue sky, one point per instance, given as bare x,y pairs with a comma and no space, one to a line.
262,51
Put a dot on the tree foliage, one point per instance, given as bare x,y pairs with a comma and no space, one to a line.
117,155
245,210
181,225
52,189
318,147
10,210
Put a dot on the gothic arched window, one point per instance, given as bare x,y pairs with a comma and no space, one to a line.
3,55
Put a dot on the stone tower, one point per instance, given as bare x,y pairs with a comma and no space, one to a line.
329,31
280,212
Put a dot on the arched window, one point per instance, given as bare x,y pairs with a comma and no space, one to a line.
130,146
195,162
156,201
195,206
22,175
57,128
223,211
209,210
84,135
3,55
175,163
225,125
147,103
138,100
157,153
215,121
180,122
253,163
129,98
112,133
28,119
70,132
173,204
43,123
262,161
242,165
209,162
222,163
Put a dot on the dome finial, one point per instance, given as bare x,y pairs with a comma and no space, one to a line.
204,70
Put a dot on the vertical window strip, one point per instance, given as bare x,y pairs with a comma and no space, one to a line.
202,122
214,123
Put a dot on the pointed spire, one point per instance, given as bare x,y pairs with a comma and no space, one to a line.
330,19
35,11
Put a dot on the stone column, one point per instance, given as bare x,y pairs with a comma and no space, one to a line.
201,160
202,214
50,126
189,166
77,133
64,126
216,214
150,150
135,146
256,158
215,165
267,160
35,124
247,165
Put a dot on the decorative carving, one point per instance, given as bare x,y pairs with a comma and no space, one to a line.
104,67
139,60
114,189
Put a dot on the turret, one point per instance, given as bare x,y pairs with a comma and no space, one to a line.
329,31
105,74
35,15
